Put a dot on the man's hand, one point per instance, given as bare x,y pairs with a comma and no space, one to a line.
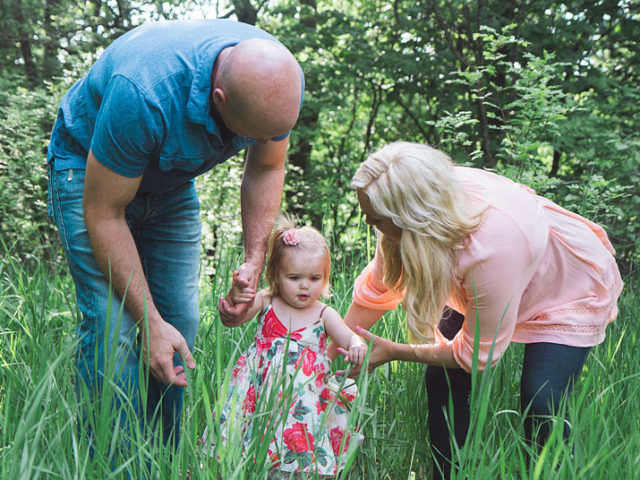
241,295
382,351
240,291
246,276
163,342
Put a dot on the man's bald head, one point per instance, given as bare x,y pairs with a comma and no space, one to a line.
257,89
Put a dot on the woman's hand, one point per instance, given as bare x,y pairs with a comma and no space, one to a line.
381,352
357,351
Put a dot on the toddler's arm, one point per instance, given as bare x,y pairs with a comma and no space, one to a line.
352,345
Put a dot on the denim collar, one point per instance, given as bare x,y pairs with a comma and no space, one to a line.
198,107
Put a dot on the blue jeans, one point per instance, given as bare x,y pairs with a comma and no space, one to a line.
548,372
166,228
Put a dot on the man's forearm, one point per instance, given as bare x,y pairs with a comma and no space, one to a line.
105,198
261,198
117,256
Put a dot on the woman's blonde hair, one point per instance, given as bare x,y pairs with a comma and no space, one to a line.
281,241
414,185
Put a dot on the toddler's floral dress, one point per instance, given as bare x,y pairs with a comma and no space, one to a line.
283,388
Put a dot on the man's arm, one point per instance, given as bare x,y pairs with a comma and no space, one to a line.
261,195
106,195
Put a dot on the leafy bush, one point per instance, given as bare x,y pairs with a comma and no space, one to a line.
27,119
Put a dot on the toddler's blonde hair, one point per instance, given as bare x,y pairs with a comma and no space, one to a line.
414,185
310,240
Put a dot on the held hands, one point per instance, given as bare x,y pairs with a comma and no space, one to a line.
357,351
158,350
382,351
240,296
240,291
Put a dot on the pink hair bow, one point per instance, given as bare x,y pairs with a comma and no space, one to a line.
290,237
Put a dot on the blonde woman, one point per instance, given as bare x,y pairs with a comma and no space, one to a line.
480,248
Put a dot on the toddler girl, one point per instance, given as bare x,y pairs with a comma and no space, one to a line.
287,364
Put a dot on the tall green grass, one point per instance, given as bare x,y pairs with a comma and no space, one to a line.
38,404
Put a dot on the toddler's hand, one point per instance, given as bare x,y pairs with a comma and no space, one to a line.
382,351
240,291
357,351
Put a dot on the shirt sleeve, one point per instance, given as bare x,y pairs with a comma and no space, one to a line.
497,267
369,289
128,129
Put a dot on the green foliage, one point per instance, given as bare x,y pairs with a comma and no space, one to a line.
545,92
541,91
23,178
220,211
38,405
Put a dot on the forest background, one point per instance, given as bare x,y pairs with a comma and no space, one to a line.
545,92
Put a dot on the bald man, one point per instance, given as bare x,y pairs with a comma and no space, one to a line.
164,103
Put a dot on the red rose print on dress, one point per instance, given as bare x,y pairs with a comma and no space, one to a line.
263,344
336,435
242,361
350,397
326,396
308,359
273,456
320,377
298,439
272,326
322,343
345,397
249,405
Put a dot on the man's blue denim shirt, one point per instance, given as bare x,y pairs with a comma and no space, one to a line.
144,105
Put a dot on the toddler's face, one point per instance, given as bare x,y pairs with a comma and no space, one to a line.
301,277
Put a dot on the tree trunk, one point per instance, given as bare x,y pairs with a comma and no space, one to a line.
245,12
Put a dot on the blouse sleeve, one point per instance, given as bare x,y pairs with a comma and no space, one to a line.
497,266
369,289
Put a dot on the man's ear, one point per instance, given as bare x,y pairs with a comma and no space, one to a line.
219,96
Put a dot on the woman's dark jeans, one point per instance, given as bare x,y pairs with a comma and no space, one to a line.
548,371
